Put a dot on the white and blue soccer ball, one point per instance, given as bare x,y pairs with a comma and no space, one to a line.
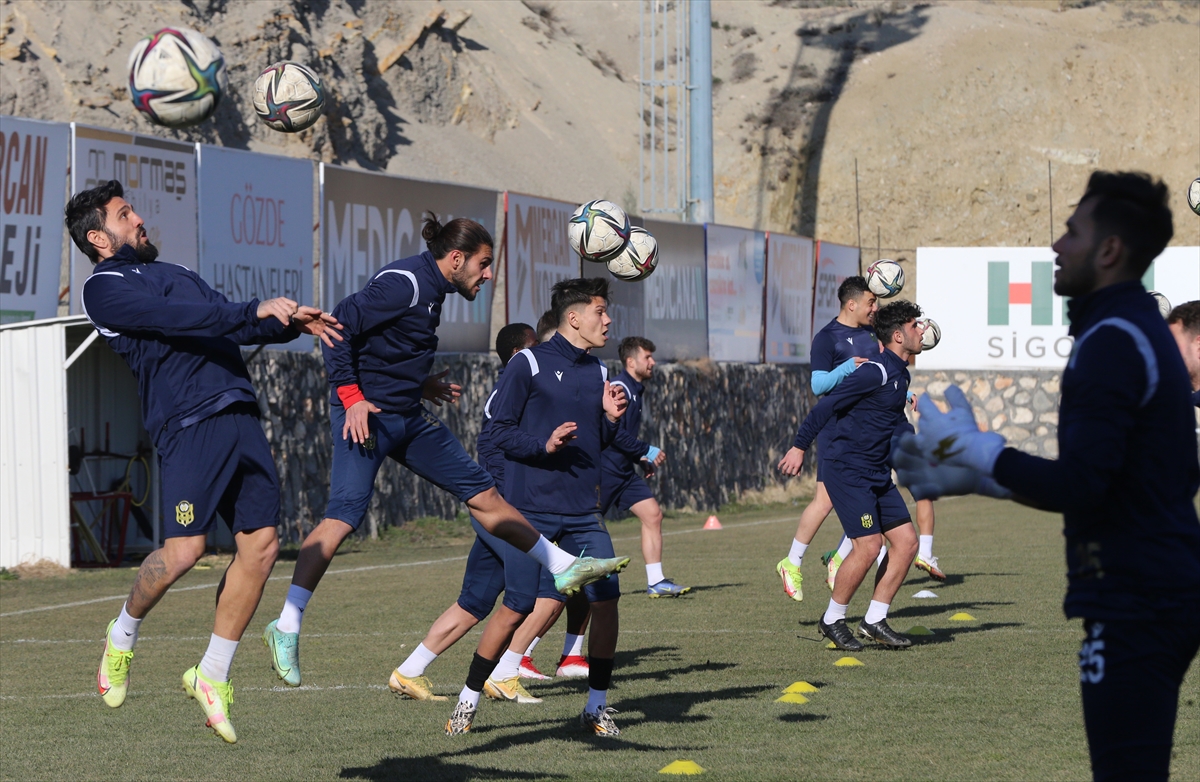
885,278
638,259
1194,196
598,231
1164,304
931,333
176,77
289,97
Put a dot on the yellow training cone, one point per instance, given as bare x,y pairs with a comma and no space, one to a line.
792,697
831,645
801,687
919,630
962,616
846,662
681,767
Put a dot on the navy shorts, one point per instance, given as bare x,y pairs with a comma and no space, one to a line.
418,440
622,493
1130,682
581,536
492,568
223,465
866,504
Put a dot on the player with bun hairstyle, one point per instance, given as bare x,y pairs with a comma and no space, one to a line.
378,377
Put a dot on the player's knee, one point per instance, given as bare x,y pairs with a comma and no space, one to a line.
869,545
181,554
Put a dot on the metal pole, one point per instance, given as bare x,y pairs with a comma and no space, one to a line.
1050,192
857,208
700,137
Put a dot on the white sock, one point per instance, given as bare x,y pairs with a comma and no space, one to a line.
551,556
573,646
417,662
876,612
508,667
293,610
654,573
835,612
469,696
845,547
125,632
796,555
532,645
218,658
597,700
925,550
882,554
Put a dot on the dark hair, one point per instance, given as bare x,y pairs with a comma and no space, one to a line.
1133,206
86,212
852,288
892,316
511,339
629,347
1188,316
581,290
547,323
461,233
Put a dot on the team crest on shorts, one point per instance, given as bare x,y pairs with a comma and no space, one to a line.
430,418
369,443
185,513
866,520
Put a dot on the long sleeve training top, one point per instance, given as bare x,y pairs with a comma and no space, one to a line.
626,450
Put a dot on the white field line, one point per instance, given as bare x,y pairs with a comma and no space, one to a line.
356,570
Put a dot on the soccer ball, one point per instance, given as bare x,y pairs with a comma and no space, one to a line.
289,97
1164,304
598,231
638,259
931,333
885,278
1194,196
176,77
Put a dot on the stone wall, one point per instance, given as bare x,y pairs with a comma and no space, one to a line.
723,427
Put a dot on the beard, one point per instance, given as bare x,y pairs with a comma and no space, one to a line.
145,253
464,286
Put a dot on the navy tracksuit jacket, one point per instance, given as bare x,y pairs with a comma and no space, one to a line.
626,450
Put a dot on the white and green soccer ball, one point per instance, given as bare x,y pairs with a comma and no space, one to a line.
885,278
176,77
1164,304
931,333
1194,196
598,230
638,259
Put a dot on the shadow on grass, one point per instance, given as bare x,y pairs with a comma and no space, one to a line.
434,767
715,587
944,635
943,608
802,717
953,579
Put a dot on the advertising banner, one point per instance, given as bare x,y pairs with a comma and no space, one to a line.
369,220
736,272
256,238
159,178
789,298
835,263
537,254
998,310
674,297
33,183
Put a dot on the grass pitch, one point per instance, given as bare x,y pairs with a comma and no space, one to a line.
697,678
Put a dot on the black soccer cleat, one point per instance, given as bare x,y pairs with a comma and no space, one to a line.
840,635
881,633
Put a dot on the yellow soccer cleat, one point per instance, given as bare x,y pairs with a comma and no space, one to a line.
930,566
418,688
215,698
112,680
792,580
508,690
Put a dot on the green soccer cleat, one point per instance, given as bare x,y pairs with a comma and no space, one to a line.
930,566
215,698
585,570
831,565
112,680
508,690
285,653
792,580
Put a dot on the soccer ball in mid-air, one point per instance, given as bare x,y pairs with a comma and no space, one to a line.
885,278
931,333
638,259
289,97
1164,304
1194,196
598,230
176,77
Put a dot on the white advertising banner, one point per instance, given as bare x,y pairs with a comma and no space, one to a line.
537,254
835,262
736,260
998,310
33,183
256,237
159,178
789,298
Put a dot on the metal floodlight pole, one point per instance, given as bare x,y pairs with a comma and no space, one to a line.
700,135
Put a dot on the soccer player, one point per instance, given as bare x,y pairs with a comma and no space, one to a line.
621,486
379,375
181,338
553,414
1124,481
867,410
1184,323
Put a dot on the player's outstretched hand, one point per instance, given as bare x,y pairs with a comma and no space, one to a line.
311,320
437,390
928,480
792,461
953,437
358,421
564,434
662,457
615,401
280,308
